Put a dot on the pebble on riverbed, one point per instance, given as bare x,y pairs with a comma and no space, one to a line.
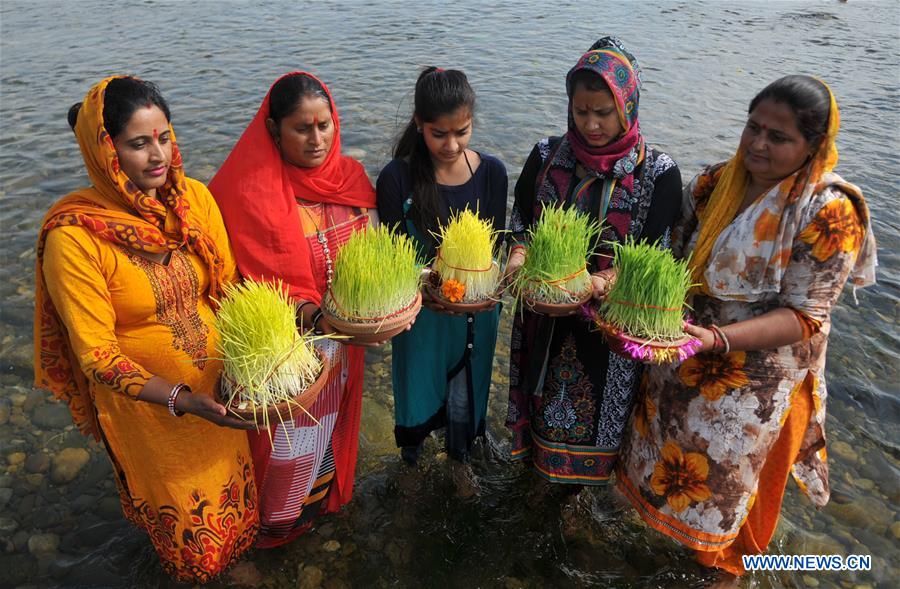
331,546
310,577
37,463
41,544
67,464
51,416
5,409
844,450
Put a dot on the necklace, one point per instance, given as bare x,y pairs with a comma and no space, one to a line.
323,241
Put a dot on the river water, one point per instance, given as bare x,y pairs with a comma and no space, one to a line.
703,62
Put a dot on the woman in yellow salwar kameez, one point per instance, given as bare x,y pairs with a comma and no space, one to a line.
127,270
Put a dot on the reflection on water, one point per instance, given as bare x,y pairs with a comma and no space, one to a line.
703,61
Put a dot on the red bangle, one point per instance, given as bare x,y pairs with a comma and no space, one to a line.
519,246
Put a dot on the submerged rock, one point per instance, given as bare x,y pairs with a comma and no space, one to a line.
895,530
310,577
331,546
5,409
67,464
864,484
244,574
844,450
8,525
20,541
42,544
33,399
18,399
51,416
37,463
110,508
865,513
34,480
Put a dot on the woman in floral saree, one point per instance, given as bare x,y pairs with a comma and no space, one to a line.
773,236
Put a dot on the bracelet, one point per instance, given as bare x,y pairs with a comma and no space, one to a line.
315,319
173,397
717,341
721,333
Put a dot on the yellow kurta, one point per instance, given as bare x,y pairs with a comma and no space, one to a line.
186,481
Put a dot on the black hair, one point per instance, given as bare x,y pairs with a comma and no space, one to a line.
72,117
289,91
122,97
807,97
589,80
438,93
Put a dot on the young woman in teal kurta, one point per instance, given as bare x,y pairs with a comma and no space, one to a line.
442,367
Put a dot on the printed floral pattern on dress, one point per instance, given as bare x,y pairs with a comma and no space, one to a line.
681,478
197,541
568,415
696,463
714,373
836,228
644,410
107,366
176,289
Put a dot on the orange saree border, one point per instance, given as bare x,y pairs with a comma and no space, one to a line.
669,526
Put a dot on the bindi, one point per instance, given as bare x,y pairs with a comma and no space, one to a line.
155,134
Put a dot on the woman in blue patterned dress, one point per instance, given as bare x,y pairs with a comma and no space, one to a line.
569,395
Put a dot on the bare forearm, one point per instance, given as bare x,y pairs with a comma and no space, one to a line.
776,328
779,327
156,390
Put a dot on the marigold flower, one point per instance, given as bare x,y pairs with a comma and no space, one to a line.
453,290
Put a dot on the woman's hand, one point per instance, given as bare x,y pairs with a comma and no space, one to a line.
310,316
515,261
601,282
207,408
706,336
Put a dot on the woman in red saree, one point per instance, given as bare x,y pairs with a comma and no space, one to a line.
290,200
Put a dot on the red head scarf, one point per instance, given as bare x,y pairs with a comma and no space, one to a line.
257,192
